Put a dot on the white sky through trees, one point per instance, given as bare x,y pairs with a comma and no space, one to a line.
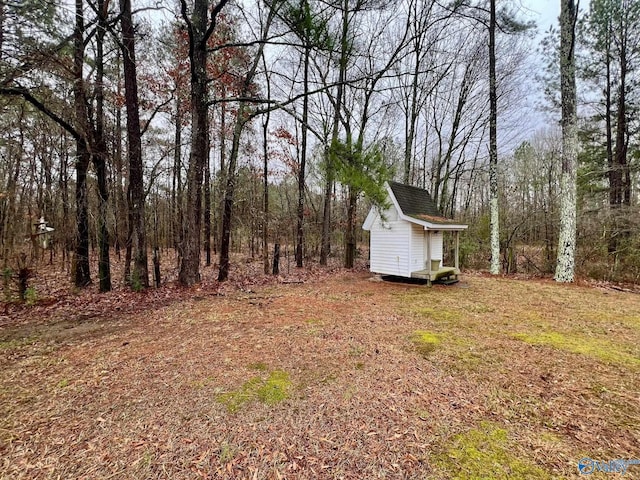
544,12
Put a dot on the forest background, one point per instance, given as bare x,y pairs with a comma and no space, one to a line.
210,130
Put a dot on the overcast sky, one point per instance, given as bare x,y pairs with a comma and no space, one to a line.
544,12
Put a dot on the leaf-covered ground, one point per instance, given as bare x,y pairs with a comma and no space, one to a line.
339,377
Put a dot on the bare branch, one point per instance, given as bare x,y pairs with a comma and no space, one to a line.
214,17
24,93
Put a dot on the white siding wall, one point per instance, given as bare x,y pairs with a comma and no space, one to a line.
389,252
398,247
436,245
417,260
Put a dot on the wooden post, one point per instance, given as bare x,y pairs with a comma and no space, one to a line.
428,250
429,256
457,264
276,259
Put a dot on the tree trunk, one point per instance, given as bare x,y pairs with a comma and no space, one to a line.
623,177
82,270
222,173
265,192
2,22
207,212
493,147
121,217
177,178
227,212
100,157
411,120
303,161
157,277
104,266
8,201
276,259
199,32
350,244
242,117
83,157
623,188
139,277
325,242
567,238
611,169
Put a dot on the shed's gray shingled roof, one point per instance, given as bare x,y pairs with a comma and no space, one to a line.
414,201
417,203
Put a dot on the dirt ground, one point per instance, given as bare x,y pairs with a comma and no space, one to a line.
340,376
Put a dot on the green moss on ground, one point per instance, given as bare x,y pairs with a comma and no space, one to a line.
275,389
270,391
485,452
602,350
424,342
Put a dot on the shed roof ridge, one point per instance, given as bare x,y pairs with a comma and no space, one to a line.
414,200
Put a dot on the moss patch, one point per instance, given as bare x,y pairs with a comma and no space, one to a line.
602,350
275,389
485,452
424,342
272,390
438,314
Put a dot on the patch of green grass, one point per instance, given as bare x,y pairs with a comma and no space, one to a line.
612,317
227,452
275,389
632,320
602,350
474,355
271,391
136,282
438,314
63,383
31,296
485,452
16,343
424,342
236,399
468,360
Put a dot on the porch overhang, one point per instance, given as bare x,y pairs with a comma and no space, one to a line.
450,227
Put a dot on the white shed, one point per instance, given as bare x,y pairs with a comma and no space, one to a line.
407,238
